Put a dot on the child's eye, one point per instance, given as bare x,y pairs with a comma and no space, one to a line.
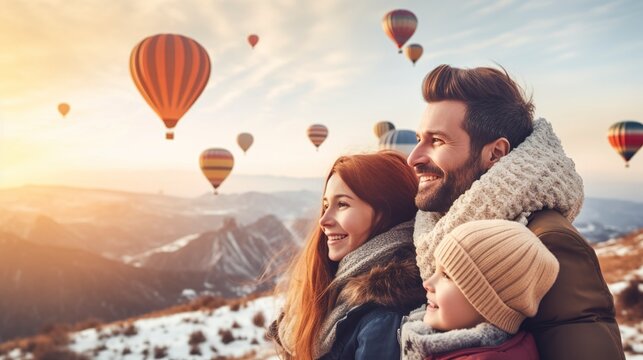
445,275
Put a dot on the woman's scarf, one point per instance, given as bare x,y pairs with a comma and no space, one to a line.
534,176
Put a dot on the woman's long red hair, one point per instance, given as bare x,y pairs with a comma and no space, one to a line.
388,185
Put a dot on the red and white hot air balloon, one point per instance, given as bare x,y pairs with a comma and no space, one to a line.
317,133
399,25
253,39
170,71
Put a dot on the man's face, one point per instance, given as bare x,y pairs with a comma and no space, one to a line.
442,158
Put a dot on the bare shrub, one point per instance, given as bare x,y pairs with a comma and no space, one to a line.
254,342
259,319
629,303
235,306
98,349
226,336
160,352
196,338
130,330
126,351
235,325
194,350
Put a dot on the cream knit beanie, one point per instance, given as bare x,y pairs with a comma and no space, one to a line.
501,267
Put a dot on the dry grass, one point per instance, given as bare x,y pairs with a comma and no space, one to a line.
619,261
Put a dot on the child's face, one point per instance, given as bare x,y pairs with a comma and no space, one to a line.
447,308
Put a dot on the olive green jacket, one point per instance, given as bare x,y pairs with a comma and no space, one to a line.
575,319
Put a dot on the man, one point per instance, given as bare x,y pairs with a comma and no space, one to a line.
481,155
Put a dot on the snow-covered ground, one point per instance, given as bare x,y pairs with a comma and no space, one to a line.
227,333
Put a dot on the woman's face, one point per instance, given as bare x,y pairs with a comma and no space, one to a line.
347,219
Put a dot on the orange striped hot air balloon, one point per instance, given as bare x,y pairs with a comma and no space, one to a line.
63,109
626,137
413,52
245,140
317,133
253,39
216,164
382,128
399,25
170,71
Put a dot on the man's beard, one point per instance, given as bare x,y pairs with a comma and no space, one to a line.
453,184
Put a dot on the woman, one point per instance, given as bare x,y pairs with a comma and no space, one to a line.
348,289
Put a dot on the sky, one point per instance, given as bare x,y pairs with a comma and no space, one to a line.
325,62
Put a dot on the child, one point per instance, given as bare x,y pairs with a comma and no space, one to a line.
490,275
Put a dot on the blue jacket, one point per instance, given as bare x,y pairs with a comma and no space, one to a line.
368,331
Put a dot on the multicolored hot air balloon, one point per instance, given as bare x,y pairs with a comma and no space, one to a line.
399,25
253,39
626,137
413,52
170,71
403,141
216,164
63,109
382,128
245,141
317,133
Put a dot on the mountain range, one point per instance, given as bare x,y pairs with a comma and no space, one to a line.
67,254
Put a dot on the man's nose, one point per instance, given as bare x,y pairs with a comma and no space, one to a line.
417,156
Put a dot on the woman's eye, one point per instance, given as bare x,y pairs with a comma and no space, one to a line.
342,204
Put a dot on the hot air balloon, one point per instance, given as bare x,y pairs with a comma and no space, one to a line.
63,109
245,141
253,40
413,52
216,164
626,137
170,71
399,25
317,133
401,140
382,128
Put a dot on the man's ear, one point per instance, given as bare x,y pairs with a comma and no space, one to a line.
494,151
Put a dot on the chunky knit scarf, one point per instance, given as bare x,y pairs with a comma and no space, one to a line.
376,251
418,341
536,175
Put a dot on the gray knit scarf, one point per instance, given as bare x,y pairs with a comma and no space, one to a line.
376,251
536,175
419,341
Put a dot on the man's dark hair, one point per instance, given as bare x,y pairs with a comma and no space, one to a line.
496,105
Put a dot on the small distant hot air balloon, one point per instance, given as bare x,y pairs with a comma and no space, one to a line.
245,141
253,39
170,71
399,25
626,137
216,164
63,109
413,52
317,133
382,128
403,141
